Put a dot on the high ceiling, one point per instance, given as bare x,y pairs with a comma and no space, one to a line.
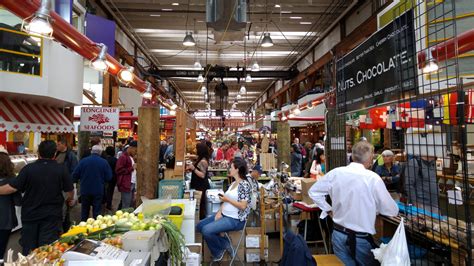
161,25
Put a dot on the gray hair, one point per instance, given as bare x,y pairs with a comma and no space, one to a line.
362,152
96,149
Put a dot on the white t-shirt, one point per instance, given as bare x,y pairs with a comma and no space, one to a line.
228,209
134,173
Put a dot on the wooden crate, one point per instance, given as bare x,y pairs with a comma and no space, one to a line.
268,161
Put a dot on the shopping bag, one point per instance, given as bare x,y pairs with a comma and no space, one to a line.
396,251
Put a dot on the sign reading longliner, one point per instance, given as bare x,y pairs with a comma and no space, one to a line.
380,70
99,119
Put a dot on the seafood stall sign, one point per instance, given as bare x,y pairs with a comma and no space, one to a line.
99,119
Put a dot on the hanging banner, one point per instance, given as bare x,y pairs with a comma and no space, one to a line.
380,70
99,119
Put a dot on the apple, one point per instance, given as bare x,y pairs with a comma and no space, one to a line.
115,218
103,226
119,213
82,224
90,221
99,217
89,227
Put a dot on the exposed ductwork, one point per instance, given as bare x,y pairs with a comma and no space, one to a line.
228,18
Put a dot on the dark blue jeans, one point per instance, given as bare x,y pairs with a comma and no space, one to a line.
363,254
88,201
211,230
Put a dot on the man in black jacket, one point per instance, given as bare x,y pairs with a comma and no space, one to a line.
110,186
43,183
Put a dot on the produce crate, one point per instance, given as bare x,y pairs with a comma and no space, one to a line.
177,219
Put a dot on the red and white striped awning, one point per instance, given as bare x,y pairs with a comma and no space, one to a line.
21,116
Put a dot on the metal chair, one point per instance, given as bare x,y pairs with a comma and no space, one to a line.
236,248
172,189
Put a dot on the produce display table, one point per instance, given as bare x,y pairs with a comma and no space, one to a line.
188,226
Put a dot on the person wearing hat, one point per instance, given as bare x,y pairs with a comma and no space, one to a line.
92,172
389,172
8,219
42,184
127,174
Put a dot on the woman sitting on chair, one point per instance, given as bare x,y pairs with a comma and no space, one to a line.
232,214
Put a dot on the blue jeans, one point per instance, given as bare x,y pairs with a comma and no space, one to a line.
88,201
211,229
363,254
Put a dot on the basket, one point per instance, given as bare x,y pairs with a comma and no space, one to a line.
177,219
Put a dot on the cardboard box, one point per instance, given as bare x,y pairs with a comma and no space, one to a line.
195,257
252,239
306,184
269,214
253,255
297,196
270,225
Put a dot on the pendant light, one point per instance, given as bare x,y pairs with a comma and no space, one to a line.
297,111
204,89
255,67
197,65
147,94
188,39
238,96
248,78
200,78
40,22
243,90
100,62
267,40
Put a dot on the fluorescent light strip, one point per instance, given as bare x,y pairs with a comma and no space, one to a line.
166,9
305,23
155,15
295,17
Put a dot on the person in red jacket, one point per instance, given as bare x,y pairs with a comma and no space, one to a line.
126,170
220,155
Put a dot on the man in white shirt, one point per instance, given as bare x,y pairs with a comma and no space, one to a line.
358,195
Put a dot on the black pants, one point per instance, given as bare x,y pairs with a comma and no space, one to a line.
88,201
4,235
39,233
109,194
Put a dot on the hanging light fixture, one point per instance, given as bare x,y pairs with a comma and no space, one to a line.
431,65
148,93
204,89
100,62
125,75
297,111
255,67
267,40
248,78
243,90
239,96
173,106
197,65
188,39
200,78
40,22
234,105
